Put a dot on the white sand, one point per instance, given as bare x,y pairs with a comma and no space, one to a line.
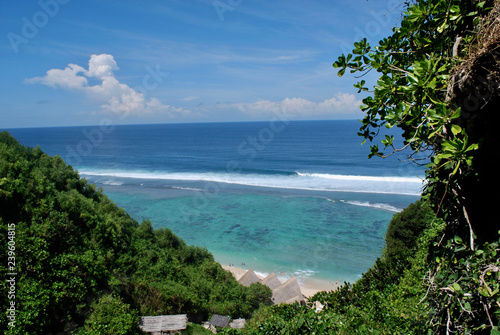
308,286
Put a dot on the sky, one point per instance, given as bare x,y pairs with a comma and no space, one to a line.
71,62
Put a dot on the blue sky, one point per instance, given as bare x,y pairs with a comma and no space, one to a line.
70,62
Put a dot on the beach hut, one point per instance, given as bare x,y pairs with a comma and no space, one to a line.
219,321
272,281
163,324
288,293
237,324
249,278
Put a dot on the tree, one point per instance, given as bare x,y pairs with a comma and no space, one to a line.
420,90
111,316
439,75
260,294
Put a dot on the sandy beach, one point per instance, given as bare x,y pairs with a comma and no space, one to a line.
308,286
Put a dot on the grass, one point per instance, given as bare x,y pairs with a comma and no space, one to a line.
195,329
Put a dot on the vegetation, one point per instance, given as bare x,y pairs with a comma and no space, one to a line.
439,75
403,231
110,316
85,266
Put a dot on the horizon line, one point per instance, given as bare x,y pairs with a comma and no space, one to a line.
172,123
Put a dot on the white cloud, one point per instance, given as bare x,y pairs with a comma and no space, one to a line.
340,104
101,66
114,96
67,78
99,84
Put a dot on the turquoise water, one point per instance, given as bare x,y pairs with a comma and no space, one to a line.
309,235
301,198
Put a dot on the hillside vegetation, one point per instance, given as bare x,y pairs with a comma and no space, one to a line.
85,266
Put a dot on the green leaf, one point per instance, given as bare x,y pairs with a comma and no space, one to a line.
456,113
456,129
300,322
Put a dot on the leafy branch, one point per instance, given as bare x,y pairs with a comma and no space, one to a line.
422,70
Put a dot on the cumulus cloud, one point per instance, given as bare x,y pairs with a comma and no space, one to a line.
340,104
114,96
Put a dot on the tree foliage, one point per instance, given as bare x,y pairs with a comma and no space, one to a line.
439,77
403,231
84,265
110,316
417,91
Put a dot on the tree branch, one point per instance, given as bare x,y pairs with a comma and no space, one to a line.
466,215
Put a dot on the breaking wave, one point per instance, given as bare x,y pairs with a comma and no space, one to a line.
296,180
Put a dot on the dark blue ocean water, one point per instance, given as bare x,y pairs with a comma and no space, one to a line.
298,197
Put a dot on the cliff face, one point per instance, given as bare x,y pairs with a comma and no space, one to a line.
475,88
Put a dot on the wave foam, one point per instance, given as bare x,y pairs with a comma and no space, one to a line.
112,183
362,178
304,273
302,181
373,205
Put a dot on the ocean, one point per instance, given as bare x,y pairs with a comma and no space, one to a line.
295,198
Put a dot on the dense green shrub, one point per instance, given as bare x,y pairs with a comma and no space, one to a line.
78,255
260,294
404,229
110,316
